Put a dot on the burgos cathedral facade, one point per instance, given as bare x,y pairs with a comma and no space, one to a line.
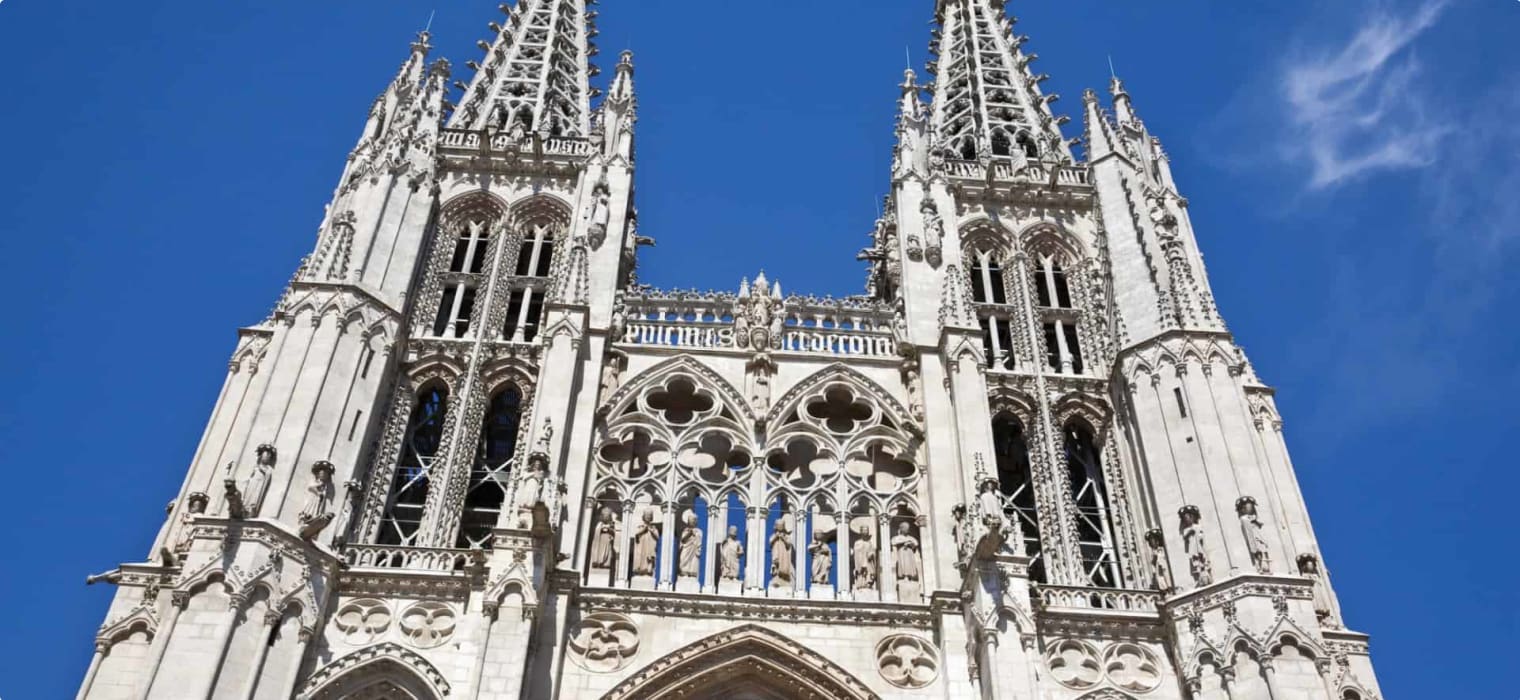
469,456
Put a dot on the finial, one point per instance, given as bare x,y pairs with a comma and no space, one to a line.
1116,87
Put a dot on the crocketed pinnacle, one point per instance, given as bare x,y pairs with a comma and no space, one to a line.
536,75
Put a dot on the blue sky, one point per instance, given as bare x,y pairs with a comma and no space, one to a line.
1353,168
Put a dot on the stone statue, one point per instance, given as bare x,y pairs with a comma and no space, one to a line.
195,504
1159,564
781,554
1161,215
690,561
778,322
728,555
316,516
934,232
529,492
258,481
915,386
910,569
1256,540
611,371
646,541
863,560
601,214
545,438
617,328
760,395
1308,567
1192,542
604,542
823,558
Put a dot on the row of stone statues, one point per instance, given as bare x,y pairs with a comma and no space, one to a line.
644,546
1201,570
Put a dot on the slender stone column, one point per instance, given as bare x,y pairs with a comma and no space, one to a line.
224,634
293,676
178,601
272,619
1269,670
886,564
477,674
101,648
1226,681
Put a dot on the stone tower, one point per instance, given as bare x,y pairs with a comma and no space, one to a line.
468,456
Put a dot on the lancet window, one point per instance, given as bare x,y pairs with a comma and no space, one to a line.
491,470
1016,483
414,469
1089,494
996,316
525,300
1059,317
687,501
464,279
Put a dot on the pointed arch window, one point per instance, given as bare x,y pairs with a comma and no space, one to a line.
525,301
491,473
989,291
470,248
1016,482
1051,287
456,307
1089,494
537,251
409,489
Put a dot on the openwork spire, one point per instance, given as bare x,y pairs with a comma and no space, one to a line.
536,75
986,102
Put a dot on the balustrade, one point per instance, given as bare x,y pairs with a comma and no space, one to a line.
374,556
1097,599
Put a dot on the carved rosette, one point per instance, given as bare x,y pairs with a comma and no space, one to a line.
907,661
603,642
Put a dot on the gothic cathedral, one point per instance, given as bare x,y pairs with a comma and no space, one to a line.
469,455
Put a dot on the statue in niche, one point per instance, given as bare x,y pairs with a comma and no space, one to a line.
728,555
604,542
760,386
530,490
863,560
900,325
915,386
909,562
1308,567
617,328
934,231
823,558
781,554
612,369
646,542
315,516
1159,564
1192,542
690,561
1256,540
601,214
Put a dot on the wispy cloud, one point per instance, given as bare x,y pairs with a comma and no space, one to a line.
1356,108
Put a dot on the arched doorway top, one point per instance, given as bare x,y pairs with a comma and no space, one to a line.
748,662
384,671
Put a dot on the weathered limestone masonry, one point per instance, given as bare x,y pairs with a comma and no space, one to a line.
469,456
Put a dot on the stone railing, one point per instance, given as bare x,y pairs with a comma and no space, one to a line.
1069,598
1034,172
849,327
466,139
377,556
